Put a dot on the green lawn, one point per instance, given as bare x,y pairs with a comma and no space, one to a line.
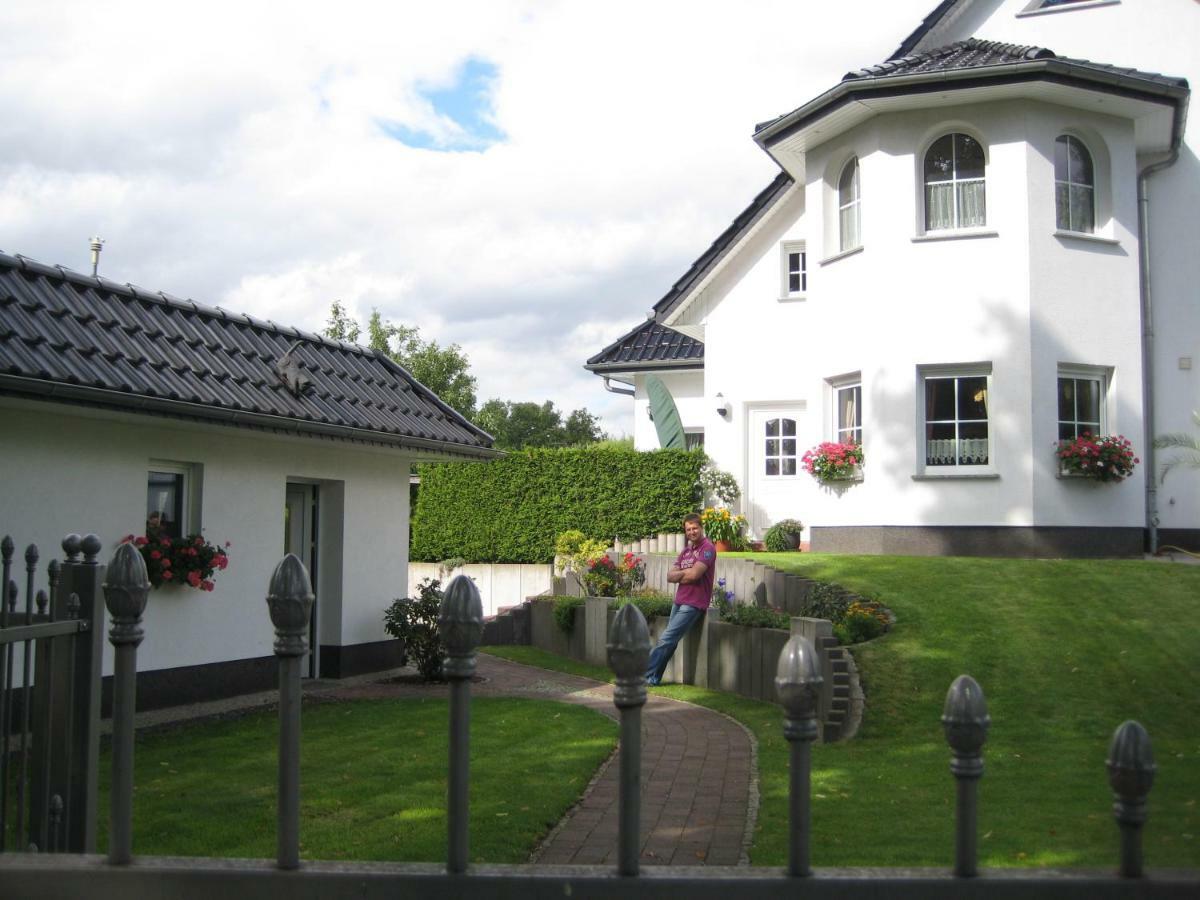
373,780
1064,650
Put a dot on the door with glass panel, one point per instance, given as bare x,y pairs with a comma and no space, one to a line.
774,462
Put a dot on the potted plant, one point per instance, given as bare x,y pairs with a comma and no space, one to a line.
723,528
185,561
783,535
830,461
1105,458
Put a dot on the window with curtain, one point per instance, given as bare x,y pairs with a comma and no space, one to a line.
849,414
1080,405
848,207
1074,185
779,447
956,420
954,184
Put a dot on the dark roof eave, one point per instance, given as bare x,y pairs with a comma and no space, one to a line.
658,365
33,388
927,25
1055,70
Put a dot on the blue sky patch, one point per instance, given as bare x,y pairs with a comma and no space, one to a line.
465,105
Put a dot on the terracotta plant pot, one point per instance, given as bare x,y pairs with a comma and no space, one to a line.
723,546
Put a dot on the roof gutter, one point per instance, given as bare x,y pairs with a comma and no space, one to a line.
1144,283
48,390
628,392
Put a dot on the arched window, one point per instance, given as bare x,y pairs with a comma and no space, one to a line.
1074,185
848,203
954,185
779,447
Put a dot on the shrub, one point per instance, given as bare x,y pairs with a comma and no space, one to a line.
512,509
573,550
826,601
564,612
414,623
783,535
651,603
861,622
756,616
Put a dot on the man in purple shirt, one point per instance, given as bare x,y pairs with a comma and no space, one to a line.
694,571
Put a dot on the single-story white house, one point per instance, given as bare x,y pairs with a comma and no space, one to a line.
119,405
982,245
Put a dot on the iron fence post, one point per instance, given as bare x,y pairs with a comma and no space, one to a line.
289,600
628,655
7,547
461,622
126,589
1131,771
965,720
31,558
798,682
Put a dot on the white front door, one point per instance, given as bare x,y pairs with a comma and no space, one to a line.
773,456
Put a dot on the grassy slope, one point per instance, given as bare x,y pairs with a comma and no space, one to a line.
1064,651
373,780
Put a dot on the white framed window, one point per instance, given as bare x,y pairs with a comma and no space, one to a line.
845,421
779,447
849,200
955,412
794,269
693,438
955,190
1074,185
1082,401
172,498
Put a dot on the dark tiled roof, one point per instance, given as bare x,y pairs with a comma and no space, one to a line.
927,25
976,54
72,337
650,345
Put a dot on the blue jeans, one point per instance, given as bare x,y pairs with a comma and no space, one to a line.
683,617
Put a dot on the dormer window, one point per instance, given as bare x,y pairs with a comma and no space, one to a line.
954,184
1074,186
848,207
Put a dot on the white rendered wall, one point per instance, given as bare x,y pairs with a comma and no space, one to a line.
1003,298
66,470
1153,36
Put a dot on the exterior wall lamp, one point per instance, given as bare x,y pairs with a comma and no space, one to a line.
722,406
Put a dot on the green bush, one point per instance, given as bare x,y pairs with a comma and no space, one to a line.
651,603
511,509
564,612
782,536
826,601
413,621
861,622
755,616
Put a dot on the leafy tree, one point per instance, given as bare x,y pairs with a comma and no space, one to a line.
517,426
1188,446
444,370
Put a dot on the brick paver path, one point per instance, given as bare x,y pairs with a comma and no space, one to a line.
699,785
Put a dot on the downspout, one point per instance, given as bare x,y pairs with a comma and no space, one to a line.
1148,323
628,392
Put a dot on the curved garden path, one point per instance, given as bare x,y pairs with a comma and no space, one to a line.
699,778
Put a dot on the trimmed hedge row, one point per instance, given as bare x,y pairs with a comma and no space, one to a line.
510,510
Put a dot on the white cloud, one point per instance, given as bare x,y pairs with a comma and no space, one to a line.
232,153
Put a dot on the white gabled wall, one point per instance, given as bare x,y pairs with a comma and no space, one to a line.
687,390
66,470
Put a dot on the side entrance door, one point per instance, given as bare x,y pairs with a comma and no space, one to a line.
300,537
773,457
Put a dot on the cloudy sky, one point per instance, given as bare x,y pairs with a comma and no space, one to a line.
522,178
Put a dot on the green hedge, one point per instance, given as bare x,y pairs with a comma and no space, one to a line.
511,509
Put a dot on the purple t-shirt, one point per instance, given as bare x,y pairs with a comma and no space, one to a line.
698,593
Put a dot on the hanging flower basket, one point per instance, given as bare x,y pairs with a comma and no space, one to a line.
829,461
1106,458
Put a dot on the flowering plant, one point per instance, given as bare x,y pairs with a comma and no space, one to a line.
191,560
722,525
829,460
1104,458
605,578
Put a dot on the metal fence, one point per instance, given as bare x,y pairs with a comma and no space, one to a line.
121,875
50,652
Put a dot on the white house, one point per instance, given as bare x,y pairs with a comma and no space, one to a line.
976,247
118,403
